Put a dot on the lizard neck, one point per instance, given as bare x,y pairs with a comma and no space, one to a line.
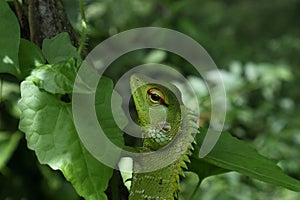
164,183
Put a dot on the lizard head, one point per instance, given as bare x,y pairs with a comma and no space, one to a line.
158,108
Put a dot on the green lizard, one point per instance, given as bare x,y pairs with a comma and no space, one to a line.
166,123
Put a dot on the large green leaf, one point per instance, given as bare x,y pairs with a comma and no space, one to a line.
9,40
205,169
59,48
48,124
233,154
30,57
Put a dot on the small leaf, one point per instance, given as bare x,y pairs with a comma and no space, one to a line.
9,41
232,154
189,187
56,79
59,49
30,56
10,95
8,143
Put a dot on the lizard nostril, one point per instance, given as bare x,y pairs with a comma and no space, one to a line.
164,126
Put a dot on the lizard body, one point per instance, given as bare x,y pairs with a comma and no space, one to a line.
166,123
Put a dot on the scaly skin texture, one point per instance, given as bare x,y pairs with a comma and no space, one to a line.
167,124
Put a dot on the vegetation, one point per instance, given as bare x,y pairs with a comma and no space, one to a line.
256,46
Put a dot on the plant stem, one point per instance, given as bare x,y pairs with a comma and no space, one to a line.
1,87
196,188
115,187
83,27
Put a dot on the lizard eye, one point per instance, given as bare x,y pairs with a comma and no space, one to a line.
156,96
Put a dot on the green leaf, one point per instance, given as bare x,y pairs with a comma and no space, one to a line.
59,49
9,40
189,187
205,169
232,154
30,57
104,111
56,79
8,143
49,128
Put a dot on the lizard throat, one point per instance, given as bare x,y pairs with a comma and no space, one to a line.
157,136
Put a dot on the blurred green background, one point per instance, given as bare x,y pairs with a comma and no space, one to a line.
256,44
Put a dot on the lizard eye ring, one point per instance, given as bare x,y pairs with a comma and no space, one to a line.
155,96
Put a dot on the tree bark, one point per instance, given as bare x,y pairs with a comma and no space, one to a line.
46,19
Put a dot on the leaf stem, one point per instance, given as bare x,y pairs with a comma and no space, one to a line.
115,187
83,27
19,12
196,188
1,87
